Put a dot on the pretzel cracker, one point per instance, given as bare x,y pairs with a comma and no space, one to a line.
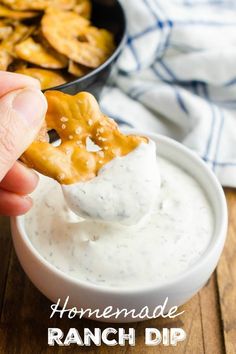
78,121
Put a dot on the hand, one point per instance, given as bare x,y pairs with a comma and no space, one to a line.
22,110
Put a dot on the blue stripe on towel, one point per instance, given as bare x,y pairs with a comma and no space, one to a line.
211,133
147,30
230,82
146,2
136,92
218,138
156,26
180,101
213,120
178,96
204,23
168,70
225,164
135,55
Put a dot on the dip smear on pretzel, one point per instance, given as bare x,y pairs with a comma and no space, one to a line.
78,121
105,175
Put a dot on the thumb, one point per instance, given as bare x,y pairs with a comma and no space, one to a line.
21,116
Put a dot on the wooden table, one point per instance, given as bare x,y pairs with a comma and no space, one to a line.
209,319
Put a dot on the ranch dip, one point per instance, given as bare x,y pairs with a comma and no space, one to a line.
124,191
175,234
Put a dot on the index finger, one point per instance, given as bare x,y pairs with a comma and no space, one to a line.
11,81
19,180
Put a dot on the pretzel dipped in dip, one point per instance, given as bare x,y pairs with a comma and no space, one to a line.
105,175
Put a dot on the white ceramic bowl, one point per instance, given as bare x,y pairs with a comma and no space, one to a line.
55,284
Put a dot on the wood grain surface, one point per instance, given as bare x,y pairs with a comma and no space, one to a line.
209,319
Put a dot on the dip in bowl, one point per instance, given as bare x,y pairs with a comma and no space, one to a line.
170,254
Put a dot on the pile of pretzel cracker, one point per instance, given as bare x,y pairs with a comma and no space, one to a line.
51,40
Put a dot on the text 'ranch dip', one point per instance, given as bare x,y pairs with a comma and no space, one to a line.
175,234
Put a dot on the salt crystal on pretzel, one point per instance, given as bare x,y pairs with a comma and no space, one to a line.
68,116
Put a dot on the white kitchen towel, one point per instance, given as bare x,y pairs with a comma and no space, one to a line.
177,76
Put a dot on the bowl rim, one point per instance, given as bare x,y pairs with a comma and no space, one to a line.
215,245
108,61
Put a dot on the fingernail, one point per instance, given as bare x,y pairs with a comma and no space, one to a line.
27,197
31,105
26,170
